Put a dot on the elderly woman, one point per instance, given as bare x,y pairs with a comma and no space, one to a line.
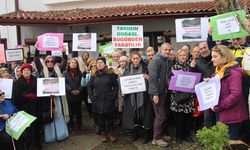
138,109
6,110
103,92
73,77
57,129
25,99
231,109
4,73
183,110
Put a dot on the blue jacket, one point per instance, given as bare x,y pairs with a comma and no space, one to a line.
6,107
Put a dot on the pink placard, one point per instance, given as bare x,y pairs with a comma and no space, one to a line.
2,55
50,42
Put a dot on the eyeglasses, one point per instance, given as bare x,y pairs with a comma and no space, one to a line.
1,94
50,61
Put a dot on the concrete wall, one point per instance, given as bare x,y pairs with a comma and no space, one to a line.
8,32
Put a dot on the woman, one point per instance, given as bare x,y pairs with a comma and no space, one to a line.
231,109
7,109
103,91
25,99
73,77
182,110
17,72
57,129
4,73
138,109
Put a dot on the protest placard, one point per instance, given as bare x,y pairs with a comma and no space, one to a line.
246,64
107,49
132,84
60,53
84,42
208,93
127,36
17,124
6,86
50,86
25,49
2,54
191,29
50,42
184,81
14,55
227,26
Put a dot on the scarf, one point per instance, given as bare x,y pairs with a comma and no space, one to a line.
136,98
65,107
219,71
27,79
102,71
73,72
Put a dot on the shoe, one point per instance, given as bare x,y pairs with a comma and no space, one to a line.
133,136
147,136
178,141
97,129
112,137
166,138
103,137
159,142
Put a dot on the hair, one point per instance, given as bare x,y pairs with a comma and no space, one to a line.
225,53
150,49
163,44
71,59
85,53
195,48
90,65
178,52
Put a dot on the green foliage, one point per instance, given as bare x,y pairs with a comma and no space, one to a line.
214,138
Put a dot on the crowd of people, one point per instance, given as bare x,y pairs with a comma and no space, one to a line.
145,115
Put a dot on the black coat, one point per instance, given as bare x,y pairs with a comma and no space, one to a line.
73,83
21,88
103,91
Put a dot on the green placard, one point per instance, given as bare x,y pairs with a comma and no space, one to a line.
226,26
18,124
107,49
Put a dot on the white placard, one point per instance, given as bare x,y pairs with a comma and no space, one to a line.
247,61
228,25
185,81
6,86
14,54
132,84
60,53
50,86
32,49
17,122
208,93
191,29
84,42
127,36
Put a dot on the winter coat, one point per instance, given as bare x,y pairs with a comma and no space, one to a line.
73,83
231,107
21,88
159,72
103,91
6,107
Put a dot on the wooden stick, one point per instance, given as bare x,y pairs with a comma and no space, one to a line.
51,113
12,139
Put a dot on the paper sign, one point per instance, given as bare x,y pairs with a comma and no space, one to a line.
2,54
208,93
17,124
50,42
84,42
6,86
246,61
60,53
14,55
132,84
184,81
107,49
50,86
127,36
32,49
191,29
226,26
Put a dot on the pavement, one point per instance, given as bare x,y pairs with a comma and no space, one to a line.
88,140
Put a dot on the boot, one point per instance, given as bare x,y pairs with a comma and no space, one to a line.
147,136
103,137
112,137
133,135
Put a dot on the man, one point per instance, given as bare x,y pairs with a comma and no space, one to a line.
150,53
159,71
205,66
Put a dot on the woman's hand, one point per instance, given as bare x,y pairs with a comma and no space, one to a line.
146,76
206,79
4,116
156,99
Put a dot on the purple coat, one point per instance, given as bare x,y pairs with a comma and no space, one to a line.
232,106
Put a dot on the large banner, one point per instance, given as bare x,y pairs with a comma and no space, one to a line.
184,81
50,42
84,42
208,93
227,26
127,36
132,84
191,29
14,55
50,86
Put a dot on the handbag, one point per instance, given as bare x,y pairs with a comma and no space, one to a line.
182,97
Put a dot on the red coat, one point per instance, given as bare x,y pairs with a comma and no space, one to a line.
232,106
